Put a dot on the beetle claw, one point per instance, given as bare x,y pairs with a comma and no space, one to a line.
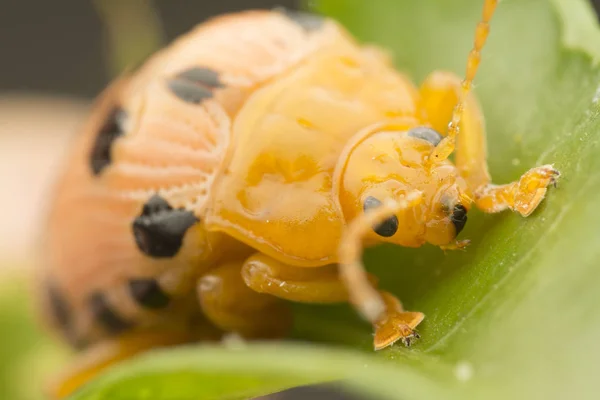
397,327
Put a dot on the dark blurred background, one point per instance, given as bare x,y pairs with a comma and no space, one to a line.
60,46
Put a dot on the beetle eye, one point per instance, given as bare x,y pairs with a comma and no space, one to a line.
427,134
459,217
387,228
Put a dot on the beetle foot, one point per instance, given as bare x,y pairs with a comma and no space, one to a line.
456,245
532,188
397,326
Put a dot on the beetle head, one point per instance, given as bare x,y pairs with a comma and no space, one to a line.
391,163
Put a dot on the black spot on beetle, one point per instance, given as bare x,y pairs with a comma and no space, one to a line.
106,316
427,134
387,228
79,343
308,21
195,84
59,306
148,293
63,316
159,229
202,76
459,217
100,156
189,91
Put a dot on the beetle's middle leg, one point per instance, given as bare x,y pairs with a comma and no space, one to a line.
323,285
440,93
234,307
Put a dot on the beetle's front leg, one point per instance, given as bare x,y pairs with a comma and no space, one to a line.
323,285
522,196
440,93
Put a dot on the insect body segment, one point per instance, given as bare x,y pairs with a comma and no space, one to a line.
246,166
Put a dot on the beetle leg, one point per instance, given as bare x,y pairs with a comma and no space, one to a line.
106,353
382,309
234,307
264,274
395,323
447,145
323,285
522,196
440,93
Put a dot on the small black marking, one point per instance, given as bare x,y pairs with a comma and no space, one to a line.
100,156
189,91
202,76
110,320
79,343
195,84
60,308
387,228
459,217
308,21
63,315
427,134
148,293
159,229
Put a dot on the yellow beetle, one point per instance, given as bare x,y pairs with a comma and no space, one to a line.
238,167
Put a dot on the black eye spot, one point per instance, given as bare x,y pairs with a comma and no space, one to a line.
427,134
195,84
159,229
387,228
60,309
100,156
148,293
459,217
103,313
308,21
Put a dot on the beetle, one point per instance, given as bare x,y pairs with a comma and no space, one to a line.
246,165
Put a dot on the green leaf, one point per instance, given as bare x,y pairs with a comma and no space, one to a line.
514,316
27,355
210,372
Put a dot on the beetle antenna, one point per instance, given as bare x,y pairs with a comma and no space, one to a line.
365,298
446,146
